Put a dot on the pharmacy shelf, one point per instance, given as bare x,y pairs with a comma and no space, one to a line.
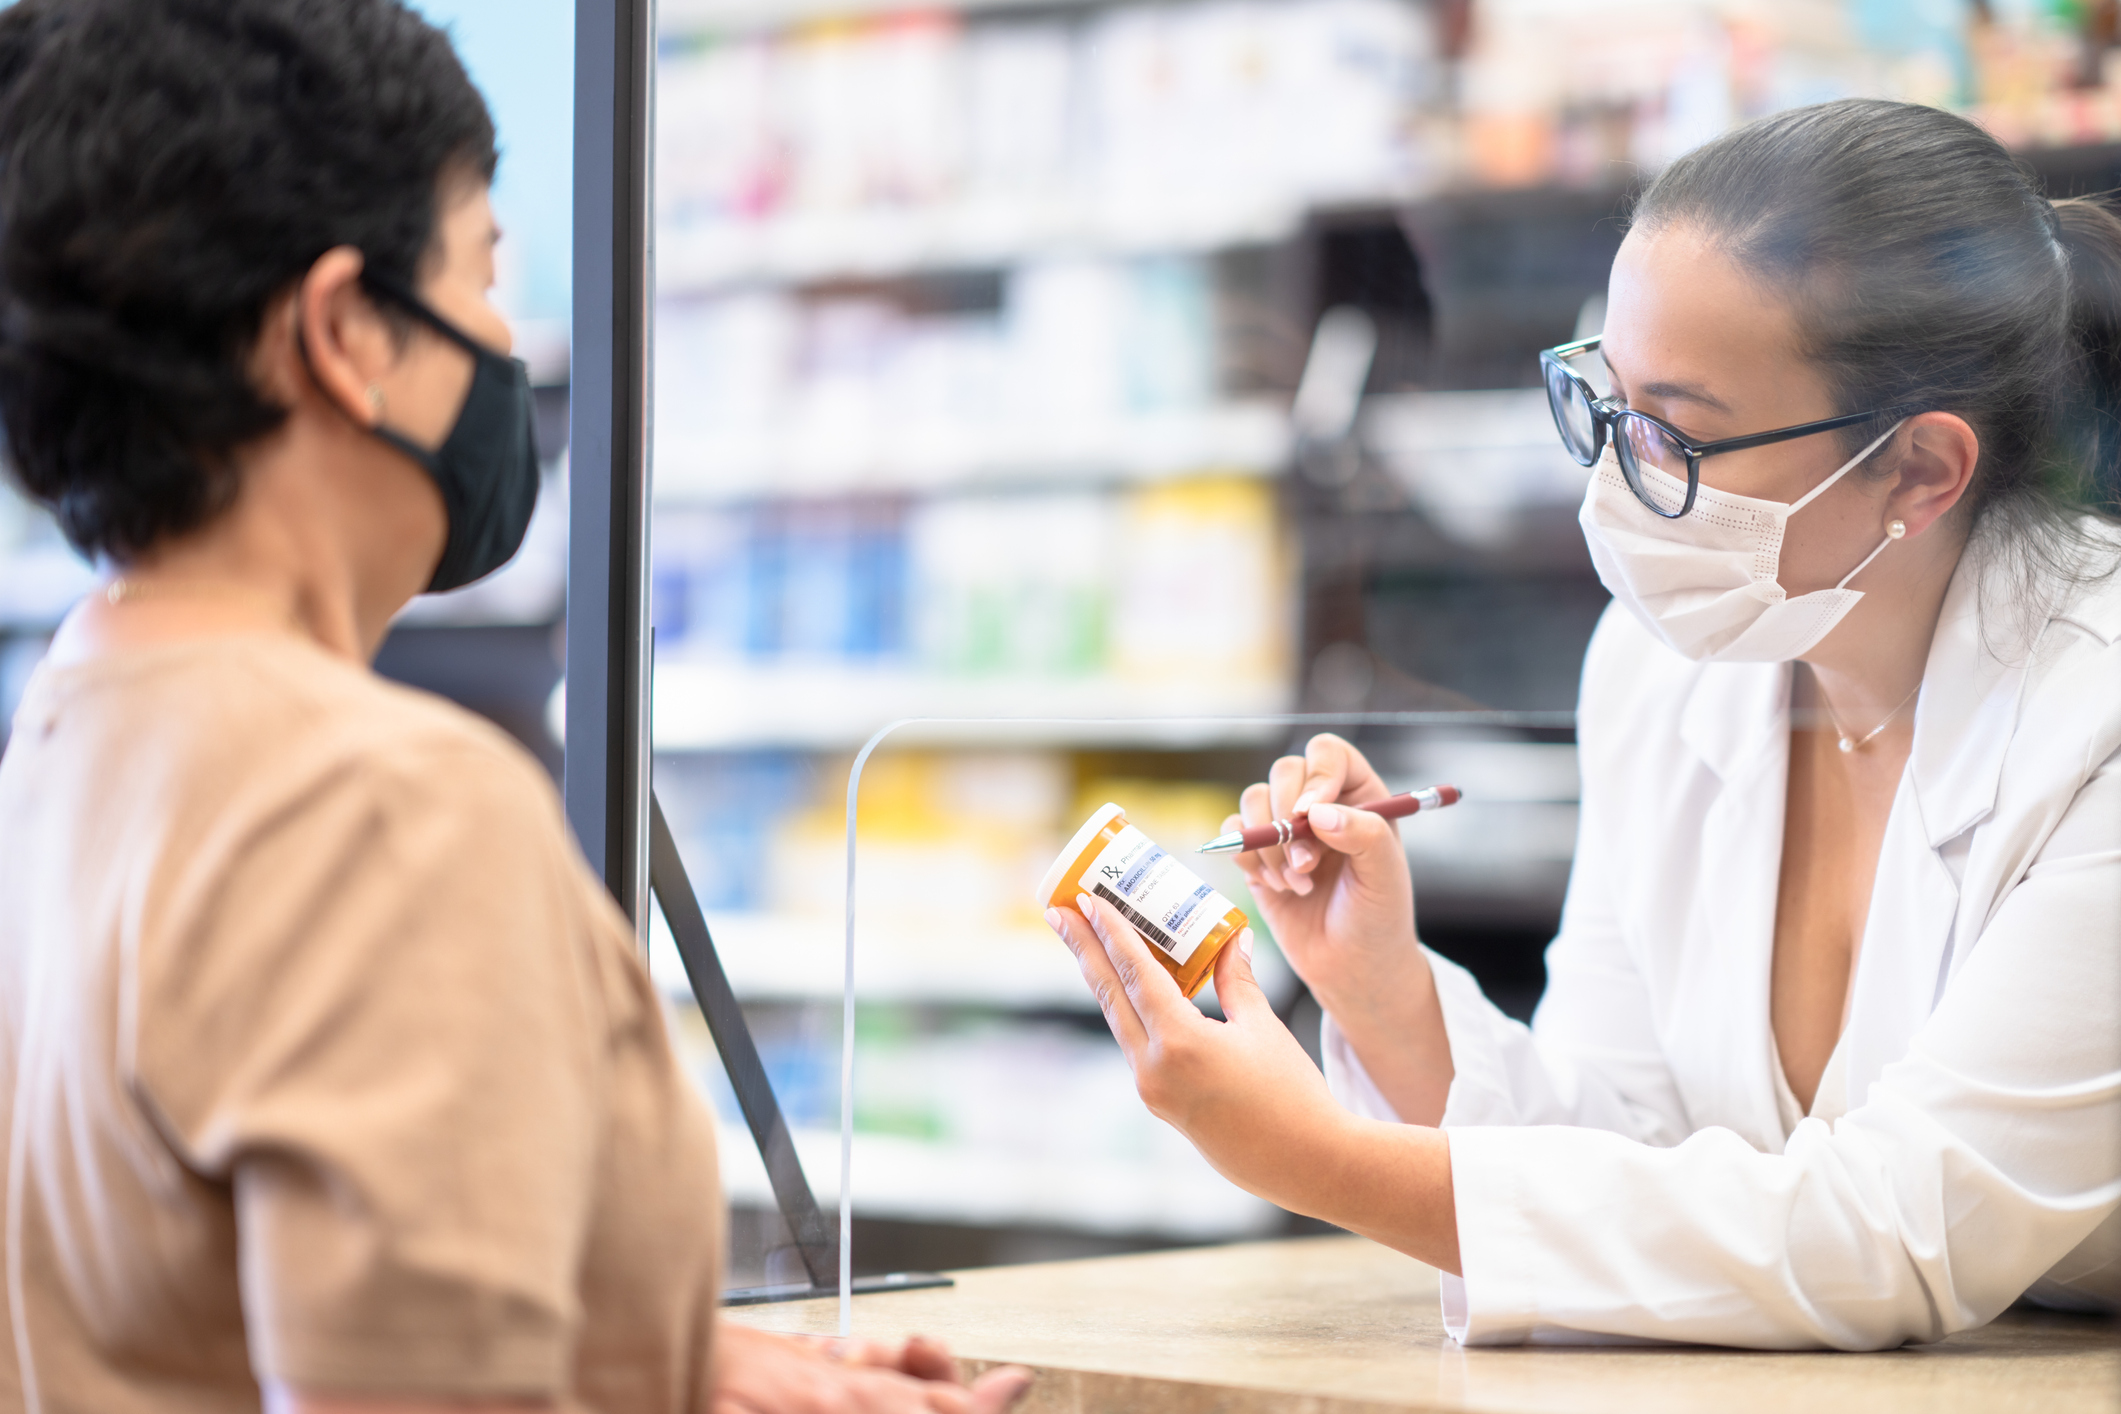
805,247
1249,437
1175,1194
777,957
832,706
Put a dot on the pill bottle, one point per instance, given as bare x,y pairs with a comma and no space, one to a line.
1187,923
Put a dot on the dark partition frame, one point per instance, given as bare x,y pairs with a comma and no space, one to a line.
608,646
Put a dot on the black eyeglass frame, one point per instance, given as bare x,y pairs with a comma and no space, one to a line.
1605,419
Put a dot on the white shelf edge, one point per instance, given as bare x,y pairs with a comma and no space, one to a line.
1248,437
912,1179
709,706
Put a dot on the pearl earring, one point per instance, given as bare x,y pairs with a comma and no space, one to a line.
375,400
1894,529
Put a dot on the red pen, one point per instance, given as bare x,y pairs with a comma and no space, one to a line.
1299,828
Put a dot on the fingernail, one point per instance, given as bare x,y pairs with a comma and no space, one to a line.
1300,885
1018,1385
1053,921
1244,944
1082,906
1302,855
1325,817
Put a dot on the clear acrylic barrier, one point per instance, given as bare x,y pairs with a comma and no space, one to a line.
1468,728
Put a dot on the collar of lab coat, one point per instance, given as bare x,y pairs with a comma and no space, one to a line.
1973,684
1970,691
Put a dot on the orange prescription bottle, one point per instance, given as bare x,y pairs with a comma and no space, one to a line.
1187,924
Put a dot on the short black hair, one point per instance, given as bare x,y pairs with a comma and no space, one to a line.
168,168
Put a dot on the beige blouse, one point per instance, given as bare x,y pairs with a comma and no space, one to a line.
324,1060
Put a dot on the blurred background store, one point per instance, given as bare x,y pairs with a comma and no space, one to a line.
1075,358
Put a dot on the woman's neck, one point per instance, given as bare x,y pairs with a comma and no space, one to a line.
170,599
283,557
1873,661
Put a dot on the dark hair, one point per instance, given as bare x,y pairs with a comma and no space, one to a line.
1928,269
167,168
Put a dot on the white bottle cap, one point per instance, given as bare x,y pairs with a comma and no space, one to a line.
1099,818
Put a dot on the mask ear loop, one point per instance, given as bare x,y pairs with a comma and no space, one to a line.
1889,539
1846,467
1806,499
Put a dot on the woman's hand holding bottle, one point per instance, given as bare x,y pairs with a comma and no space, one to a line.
1341,907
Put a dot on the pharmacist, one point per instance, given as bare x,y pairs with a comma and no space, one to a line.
329,1074
1830,1053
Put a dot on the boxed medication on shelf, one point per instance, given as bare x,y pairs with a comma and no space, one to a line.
1171,599
1169,126
1056,370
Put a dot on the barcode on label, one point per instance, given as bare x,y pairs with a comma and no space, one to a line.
1142,925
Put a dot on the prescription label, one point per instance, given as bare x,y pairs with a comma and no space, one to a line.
1161,897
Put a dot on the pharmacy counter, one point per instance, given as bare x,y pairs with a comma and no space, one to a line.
1337,1325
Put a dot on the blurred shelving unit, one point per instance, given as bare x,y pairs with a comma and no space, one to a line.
965,411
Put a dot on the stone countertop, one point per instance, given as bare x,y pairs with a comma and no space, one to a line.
1339,1325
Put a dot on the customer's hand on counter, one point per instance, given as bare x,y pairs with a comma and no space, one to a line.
1243,1091
759,1372
1342,909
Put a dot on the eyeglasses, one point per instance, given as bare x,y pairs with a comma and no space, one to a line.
1660,465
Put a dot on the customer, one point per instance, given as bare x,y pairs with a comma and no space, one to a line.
330,1077
1830,1053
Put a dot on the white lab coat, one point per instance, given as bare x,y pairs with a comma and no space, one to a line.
1620,1167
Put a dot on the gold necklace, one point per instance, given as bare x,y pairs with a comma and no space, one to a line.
126,591
1848,744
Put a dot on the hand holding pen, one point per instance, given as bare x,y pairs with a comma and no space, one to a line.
1298,826
1339,906
1333,776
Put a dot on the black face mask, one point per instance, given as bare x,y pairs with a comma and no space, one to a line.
487,468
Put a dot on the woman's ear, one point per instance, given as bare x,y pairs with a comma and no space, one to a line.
342,344
1941,450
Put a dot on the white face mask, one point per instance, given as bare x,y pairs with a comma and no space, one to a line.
1705,583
